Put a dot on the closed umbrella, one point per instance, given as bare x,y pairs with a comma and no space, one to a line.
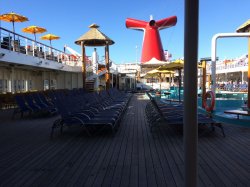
34,30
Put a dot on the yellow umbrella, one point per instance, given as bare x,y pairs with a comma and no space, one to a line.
50,37
34,30
13,17
157,72
175,65
152,72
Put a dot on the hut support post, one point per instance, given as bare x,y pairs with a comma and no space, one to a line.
107,74
190,94
83,66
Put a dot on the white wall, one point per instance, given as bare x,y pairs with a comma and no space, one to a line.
21,79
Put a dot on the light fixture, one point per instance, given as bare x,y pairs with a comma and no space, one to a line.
39,63
2,55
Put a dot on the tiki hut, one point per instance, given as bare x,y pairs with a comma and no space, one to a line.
93,38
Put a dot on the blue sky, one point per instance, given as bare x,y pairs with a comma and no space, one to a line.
70,20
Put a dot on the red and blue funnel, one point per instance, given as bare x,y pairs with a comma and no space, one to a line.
152,46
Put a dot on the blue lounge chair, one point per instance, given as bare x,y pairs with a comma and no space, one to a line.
22,106
71,116
43,106
173,115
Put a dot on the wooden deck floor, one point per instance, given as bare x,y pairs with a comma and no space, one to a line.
134,156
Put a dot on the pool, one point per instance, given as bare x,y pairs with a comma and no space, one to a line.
224,101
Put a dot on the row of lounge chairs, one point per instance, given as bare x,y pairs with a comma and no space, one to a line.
92,111
158,112
35,104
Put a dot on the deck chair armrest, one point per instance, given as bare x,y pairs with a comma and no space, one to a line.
81,115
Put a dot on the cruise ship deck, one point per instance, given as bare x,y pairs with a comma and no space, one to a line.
133,156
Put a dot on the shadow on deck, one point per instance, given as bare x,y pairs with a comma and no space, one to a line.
134,156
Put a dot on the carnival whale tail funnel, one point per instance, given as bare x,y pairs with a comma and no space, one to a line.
152,46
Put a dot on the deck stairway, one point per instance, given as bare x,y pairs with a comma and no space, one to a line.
100,73
90,81
90,85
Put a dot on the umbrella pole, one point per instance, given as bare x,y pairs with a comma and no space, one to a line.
13,26
160,84
83,66
179,84
204,76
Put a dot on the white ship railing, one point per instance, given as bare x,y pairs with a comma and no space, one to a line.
25,45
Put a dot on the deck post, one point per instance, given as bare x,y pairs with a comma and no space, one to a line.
179,72
107,74
190,93
83,66
204,80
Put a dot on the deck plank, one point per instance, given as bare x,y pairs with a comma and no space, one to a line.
142,174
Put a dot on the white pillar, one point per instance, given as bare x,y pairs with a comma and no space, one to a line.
11,86
172,80
95,68
26,85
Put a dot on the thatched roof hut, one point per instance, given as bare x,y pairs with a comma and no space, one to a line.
94,37
245,27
